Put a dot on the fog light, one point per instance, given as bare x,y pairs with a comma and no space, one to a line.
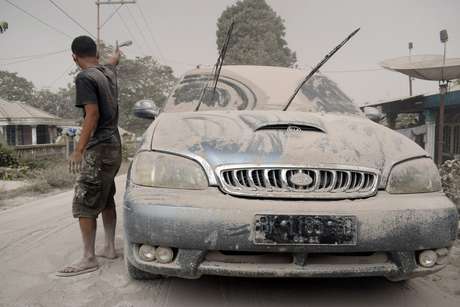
442,252
428,258
164,254
147,252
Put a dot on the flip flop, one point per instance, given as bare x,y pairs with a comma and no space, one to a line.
75,273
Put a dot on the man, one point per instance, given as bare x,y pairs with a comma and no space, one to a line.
98,154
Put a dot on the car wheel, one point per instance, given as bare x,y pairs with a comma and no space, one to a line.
137,274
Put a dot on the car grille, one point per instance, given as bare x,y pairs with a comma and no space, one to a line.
279,182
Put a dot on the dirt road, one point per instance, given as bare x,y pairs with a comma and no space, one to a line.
41,236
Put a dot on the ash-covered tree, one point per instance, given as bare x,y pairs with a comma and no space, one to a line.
60,103
140,78
258,36
14,87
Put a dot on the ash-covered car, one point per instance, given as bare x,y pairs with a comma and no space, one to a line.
243,188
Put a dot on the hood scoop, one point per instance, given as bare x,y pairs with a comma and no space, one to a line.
285,126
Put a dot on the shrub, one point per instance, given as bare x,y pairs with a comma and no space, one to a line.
450,176
58,176
7,157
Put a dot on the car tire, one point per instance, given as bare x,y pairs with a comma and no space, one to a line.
137,274
399,280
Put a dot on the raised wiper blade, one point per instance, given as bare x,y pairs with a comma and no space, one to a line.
217,67
318,66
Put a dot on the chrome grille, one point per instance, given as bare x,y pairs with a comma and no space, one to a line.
277,182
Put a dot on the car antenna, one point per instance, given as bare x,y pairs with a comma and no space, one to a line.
318,66
217,67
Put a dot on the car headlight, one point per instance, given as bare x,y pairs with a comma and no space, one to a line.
154,169
414,176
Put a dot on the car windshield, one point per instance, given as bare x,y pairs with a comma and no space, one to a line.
259,91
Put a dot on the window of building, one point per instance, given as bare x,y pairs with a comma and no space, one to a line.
451,144
456,140
11,135
43,136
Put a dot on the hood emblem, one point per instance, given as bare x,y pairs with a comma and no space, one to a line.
301,179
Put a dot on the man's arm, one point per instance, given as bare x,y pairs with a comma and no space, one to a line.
115,57
89,124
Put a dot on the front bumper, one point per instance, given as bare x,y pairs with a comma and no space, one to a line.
197,222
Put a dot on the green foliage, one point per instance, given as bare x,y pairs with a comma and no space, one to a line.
3,26
258,36
15,88
7,157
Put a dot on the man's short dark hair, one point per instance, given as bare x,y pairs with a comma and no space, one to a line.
84,46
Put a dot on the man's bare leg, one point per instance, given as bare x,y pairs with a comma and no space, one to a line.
109,217
88,232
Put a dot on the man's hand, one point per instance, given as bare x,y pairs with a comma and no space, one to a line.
75,160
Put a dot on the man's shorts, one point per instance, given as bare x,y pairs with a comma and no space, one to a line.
95,188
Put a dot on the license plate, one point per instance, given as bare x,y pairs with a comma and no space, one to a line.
305,229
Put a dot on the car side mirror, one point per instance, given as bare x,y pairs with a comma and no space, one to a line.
146,109
373,114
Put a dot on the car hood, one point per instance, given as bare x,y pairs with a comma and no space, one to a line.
256,137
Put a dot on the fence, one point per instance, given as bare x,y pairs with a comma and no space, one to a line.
45,151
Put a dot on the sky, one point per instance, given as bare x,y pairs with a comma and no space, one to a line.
182,34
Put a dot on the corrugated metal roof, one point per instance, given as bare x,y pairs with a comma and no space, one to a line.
20,113
20,110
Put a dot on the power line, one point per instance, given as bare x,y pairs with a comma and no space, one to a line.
71,18
61,75
139,28
33,58
38,19
34,55
111,15
129,31
150,32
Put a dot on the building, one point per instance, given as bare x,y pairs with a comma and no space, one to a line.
427,108
29,130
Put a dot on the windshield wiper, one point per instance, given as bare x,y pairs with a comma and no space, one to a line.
217,68
318,66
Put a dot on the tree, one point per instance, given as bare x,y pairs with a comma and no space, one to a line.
258,36
15,88
60,103
3,26
139,78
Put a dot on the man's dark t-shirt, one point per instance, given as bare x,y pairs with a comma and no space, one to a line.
97,85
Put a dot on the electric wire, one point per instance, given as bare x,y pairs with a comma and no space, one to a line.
33,58
71,18
34,55
160,52
38,19
111,15
61,75
139,29
125,24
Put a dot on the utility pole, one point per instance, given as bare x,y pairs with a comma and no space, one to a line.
98,5
411,46
443,87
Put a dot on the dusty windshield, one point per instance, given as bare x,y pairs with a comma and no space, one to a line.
239,93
